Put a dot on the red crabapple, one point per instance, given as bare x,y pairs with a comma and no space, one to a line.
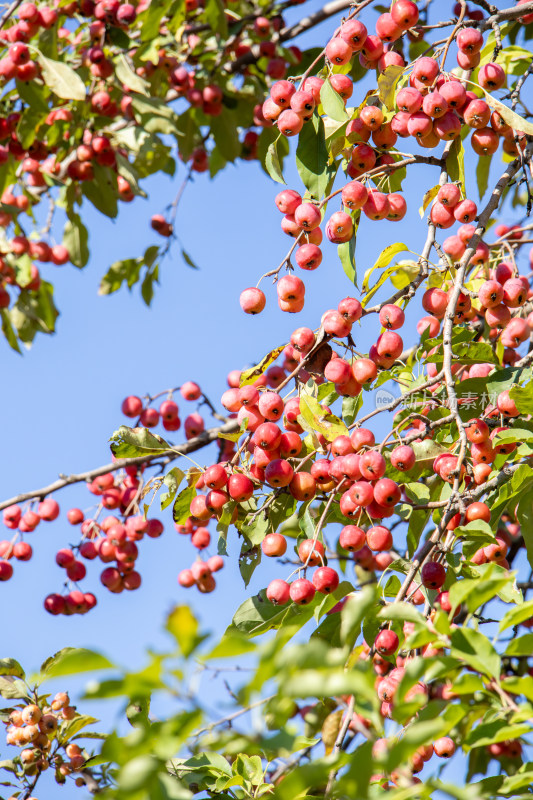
311,553
325,580
132,406
278,592
433,575
379,538
386,642
288,201
274,545
354,33
252,300
404,13
444,747
302,591
338,51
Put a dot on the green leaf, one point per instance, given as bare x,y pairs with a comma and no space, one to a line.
61,79
384,258
224,130
8,330
217,162
475,592
475,535
172,480
257,615
524,515
403,611
427,451
10,666
482,174
335,133
272,164
102,191
233,643
249,559
182,505
523,397
520,481
469,353
152,18
13,689
147,285
315,418
73,660
214,13
183,626
350,408
513,435
251,769
474,648
495,731
28,125
75,238
188,260
133,442
70,728
516,615
156,115
387,82
455,163
266,138
256,529
355,610
281,509
346,252
127,271
522,646
127,171
34,95
128,77
223,526
332,102
312,159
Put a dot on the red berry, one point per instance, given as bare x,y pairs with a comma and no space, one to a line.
433,575
386,642
278,592
302,591
325,580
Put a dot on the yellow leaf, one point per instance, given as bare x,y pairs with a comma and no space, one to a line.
511,117
314,418
387,82
183,626
249,375
428,197
330,730
384,258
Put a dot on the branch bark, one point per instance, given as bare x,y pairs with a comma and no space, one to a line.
165,457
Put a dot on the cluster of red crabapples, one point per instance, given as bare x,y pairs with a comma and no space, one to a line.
168,412
34,727
433,107
108,98
112,539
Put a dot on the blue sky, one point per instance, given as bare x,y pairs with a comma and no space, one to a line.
61,401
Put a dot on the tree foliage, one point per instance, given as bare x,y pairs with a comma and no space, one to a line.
401,637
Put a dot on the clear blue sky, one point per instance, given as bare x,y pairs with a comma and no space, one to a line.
61,401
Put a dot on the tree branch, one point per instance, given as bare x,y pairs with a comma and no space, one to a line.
197,443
